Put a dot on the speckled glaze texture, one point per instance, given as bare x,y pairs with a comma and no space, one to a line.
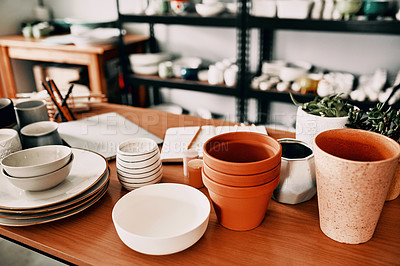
354,169
394,190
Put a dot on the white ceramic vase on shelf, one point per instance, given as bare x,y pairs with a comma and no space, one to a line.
308,125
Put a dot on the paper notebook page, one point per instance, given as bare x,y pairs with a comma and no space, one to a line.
177,139
252,128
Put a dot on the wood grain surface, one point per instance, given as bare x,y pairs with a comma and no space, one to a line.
289,234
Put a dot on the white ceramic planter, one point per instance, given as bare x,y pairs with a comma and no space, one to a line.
308,126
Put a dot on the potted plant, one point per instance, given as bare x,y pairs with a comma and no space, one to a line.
384,120
320,114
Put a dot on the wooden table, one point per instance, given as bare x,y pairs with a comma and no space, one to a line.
18,47
289,235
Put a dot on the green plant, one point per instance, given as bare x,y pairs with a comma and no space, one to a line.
379,119
330,106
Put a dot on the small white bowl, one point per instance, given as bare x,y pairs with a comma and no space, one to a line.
144,174
36,161
137,147
148,59
41,182
161,219
209,10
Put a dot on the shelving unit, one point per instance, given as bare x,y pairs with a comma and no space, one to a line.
243,22
223,21
267,26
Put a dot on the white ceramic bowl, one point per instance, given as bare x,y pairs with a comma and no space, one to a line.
41,182
137,147
36,161
162,218
148,59
296,9
145,173
209,10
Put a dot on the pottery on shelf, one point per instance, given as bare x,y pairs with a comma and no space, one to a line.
240,208
354,170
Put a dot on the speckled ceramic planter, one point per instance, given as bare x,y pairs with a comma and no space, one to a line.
354,170
394,190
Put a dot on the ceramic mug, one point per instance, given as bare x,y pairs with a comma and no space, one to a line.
9,142
31,111
297,183
215,75
165,70
7,113
40,134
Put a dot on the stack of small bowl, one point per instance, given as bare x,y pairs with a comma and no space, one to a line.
138,163
38,168
240,171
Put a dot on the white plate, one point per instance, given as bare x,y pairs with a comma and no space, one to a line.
33,221
79,198
87,169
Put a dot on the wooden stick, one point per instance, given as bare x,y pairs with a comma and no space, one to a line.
54,99
64,104
194,138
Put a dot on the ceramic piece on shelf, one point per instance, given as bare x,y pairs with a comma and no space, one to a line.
297,181
179,7
209,10
317,8
240,208
295,9
263,8
327,12
230,75
215,75
347,8
165,69
350,196
308,125
374,8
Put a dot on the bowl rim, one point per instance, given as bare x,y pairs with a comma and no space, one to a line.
151,186
36,165
136,140
50,127
39,176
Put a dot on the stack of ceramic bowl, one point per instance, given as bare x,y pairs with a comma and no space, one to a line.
38,168
138,163
240,171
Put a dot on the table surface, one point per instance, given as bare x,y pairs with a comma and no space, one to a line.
289,234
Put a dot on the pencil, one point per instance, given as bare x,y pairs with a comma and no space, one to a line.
194,138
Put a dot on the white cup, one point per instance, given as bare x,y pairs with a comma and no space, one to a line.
230,76
9,142
215,75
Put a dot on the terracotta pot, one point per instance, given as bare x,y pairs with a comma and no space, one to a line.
394,190
308,126
242,180
240,208
354,170
242,153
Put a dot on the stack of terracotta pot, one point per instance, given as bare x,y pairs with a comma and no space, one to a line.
240,171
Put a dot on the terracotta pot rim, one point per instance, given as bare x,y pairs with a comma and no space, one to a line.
242,175
327,117
242,180
359,131
277,150
240,192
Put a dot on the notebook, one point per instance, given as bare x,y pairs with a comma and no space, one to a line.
177,139
102,133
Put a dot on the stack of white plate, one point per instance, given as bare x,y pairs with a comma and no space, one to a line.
86,184
138,163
